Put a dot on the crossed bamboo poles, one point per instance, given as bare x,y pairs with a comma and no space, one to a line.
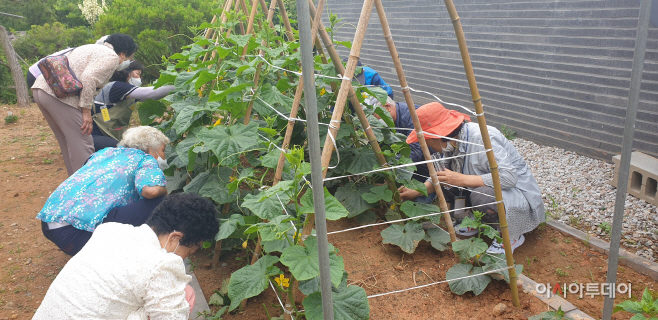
347,91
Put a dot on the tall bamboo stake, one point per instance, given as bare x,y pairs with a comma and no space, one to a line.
286,20
370,134
341,100
414,117
493,166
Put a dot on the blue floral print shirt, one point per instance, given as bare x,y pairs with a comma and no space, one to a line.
113,177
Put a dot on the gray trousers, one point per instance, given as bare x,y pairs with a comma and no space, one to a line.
65,121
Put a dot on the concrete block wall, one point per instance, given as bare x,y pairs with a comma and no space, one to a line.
556,72
642,177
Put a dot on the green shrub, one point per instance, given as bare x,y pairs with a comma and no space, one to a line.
160,27
41,41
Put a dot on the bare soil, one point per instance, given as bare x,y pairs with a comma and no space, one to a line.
31,167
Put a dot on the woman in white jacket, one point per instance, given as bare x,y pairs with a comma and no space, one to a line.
128,272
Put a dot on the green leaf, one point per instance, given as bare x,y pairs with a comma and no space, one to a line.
377,92
303,261
489,232
271,159
333,209
251,280
220,95
350,196
551,315
438,238
204,77
406,237
309,286
275,98
279,188
469,248
497,261
347,44
629,306
378,193
166,77
415,209
150,109
350,303
184,147
384,115
228,227
267,208
476,284
213,186
186,116
227,143
363,160
239,40
417,185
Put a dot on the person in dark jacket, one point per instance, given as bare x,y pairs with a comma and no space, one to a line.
402,119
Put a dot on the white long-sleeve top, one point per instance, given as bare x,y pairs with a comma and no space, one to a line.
121,273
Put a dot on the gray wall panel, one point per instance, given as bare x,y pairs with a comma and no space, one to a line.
556,72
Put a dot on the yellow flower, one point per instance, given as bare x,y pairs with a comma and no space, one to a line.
323,91
364,95
477,256
282,281
284,73
393,207
297,236
244,244
218,122
231,179
220,78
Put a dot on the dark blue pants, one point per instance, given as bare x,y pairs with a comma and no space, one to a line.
71,240
102,142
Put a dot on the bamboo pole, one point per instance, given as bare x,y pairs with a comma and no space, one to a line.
340,106
414,117
370,135
477,101
247,116
286,20
250,25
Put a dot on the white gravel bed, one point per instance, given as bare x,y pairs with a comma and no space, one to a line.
576,191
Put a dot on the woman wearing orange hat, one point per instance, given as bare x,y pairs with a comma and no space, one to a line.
468,167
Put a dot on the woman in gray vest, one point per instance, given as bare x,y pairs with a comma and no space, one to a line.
119,97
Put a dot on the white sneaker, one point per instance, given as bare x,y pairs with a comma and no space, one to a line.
466,232
497,248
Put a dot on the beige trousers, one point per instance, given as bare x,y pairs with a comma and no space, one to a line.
65,121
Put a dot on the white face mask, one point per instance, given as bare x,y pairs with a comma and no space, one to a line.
166,243
449,147
123,65
162,163
137,82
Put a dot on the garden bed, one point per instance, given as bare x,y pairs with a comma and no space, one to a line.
548,256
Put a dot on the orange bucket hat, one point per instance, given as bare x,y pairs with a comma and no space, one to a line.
436,119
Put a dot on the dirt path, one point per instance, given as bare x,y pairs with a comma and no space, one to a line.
31,167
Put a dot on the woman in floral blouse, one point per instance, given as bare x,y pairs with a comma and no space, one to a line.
122,184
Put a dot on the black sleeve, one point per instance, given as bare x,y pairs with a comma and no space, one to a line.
120,90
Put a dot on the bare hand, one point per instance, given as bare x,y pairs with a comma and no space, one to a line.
87,121
408,194
451,177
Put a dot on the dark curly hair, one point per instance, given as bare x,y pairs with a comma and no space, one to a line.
122,43
123,74
188,213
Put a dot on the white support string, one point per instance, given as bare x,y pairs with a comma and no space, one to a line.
286,211
400,166
390,85
281,302
439,282
407,219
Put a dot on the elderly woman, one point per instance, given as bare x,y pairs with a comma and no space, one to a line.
122,184
119,96
70,117
521,195
134,272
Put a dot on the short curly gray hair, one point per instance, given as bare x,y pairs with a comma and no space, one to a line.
143,138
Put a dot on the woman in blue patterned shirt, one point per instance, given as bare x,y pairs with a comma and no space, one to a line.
122,184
